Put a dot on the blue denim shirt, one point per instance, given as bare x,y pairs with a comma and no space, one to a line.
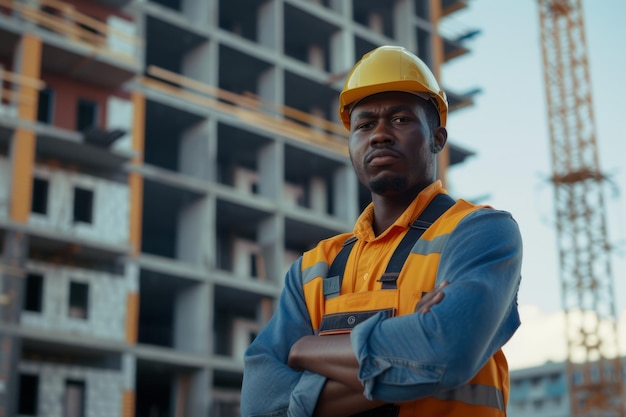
431,352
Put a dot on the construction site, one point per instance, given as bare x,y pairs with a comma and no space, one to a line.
162,164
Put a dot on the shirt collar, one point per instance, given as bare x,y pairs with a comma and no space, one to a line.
363,227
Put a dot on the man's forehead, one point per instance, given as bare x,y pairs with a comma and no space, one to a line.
388,100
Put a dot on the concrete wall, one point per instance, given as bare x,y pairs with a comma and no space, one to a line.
119,116
103,388
116,41
106,315
110,206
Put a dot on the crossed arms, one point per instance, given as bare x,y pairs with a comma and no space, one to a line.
333,357
288,371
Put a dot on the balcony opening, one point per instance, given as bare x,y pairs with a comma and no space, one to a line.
422,9
171,4
28,395
79,300
33,294
39,203
83,205
155,388
86,114
424,49
45,105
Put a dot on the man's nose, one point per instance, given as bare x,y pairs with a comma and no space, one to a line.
381,134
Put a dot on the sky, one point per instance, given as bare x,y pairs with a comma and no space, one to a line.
507,129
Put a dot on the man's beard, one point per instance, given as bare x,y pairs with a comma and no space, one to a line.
385,185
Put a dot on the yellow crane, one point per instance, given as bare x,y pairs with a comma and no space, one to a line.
594,368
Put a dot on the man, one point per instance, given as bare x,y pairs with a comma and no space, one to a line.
383,321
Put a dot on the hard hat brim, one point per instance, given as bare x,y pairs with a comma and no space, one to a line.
349,98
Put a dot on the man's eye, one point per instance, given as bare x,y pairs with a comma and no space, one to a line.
401,119
364,125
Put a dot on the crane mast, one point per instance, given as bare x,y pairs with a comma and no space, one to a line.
593,365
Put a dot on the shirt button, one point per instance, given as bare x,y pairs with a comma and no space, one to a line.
366,276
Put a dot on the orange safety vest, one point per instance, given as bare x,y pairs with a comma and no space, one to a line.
331,312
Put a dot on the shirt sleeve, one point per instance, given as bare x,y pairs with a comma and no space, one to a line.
414,356
270,387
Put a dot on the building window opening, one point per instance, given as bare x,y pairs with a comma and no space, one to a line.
74,398
253,265
422,9
28,395
424,45
83,205
33,295
79,300
45,105
39,203
86,115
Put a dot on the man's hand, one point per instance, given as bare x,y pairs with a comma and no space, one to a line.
431,298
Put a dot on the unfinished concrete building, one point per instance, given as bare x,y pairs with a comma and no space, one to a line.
162,162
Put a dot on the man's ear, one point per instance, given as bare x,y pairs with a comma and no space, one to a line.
440,137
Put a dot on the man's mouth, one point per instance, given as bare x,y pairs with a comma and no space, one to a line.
382,160
382,157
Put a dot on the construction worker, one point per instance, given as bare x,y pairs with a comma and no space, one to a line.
406,315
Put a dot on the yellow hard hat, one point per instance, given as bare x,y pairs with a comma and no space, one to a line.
390,68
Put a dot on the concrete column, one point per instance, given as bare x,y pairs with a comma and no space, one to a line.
11,294
196,63
403,15
194,153
271,170
341,61
191,324
208,249
271,236
194,227
267,85
271,232
342,7
342,54
346,194
269,25
318,195
197,12
193,394
211,148
137,15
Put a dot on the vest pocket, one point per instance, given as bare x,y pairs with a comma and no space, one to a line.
344,312
339,323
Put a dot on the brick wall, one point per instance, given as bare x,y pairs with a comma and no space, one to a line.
110,206
106,315
103,388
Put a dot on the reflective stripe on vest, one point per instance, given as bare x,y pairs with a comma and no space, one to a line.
475,394
426,247
320,269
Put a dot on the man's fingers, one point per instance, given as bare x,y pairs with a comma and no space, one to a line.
431,298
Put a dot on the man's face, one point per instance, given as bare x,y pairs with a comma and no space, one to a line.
392,148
